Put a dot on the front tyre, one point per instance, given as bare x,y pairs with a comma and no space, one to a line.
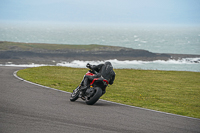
97,94
75,94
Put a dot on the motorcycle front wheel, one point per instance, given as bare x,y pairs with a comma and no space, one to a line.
97,94
75,94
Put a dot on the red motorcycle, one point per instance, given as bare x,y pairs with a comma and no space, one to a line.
92,94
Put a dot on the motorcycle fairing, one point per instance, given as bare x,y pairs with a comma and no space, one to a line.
89,74
99,79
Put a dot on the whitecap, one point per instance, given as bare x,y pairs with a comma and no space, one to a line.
185,64
129,63
24,65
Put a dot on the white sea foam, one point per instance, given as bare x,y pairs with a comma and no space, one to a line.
115,62
78,63
186,64
24,65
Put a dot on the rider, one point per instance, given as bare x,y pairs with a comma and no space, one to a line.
101,71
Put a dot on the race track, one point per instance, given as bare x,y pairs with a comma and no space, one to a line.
27,108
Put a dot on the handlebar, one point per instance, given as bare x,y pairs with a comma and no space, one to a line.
89,66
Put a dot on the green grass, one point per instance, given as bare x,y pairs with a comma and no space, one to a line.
175,92
42,46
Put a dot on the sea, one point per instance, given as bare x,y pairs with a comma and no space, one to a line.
157,39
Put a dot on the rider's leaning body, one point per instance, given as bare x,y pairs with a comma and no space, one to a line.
98,69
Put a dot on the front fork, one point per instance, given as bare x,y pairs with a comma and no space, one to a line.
77,89
82,81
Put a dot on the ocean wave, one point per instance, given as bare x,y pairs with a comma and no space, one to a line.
115,62
24,65
185,64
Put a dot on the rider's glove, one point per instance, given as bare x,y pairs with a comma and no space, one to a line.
88,65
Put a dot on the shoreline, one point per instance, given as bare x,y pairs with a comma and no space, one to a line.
188,64
27,53
53,59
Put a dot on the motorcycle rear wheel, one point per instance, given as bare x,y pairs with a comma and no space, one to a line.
92,100
75,94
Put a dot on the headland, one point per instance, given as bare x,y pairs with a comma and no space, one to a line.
40,53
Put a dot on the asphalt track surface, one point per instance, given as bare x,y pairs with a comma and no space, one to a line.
27,108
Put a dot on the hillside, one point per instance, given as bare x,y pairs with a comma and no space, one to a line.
23,53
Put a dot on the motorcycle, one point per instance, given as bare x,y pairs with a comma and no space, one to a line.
92,94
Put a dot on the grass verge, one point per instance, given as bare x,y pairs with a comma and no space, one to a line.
176,92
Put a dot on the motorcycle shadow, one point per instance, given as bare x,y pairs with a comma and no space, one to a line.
98,103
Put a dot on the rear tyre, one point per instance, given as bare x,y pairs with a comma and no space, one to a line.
75,94
97,94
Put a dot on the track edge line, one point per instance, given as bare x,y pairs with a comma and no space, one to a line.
15,75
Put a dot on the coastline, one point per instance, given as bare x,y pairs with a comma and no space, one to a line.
51,54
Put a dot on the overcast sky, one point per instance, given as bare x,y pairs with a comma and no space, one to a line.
102,11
